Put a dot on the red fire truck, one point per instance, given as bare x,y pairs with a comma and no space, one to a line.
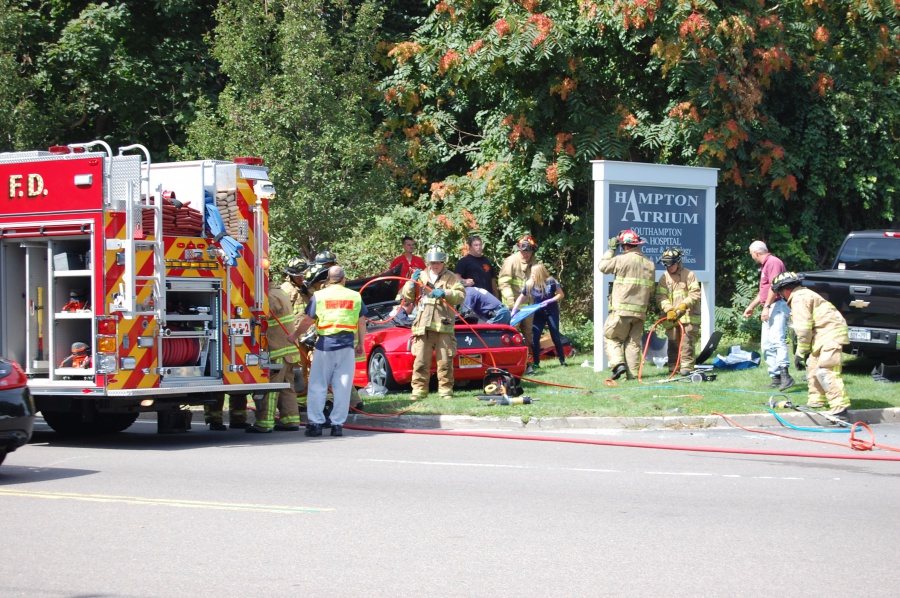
129,287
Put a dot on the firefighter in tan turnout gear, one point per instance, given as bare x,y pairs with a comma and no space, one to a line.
282,333
514,273
821,334
678,295
433,330
632,290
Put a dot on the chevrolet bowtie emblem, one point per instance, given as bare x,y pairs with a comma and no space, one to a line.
468,340
859,303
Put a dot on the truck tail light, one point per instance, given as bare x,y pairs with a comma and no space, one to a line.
107,345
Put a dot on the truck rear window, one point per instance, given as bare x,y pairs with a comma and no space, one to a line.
872,255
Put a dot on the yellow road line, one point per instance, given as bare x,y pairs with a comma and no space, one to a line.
163,502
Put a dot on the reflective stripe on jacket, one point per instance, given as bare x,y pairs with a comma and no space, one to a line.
436,314
280,311
512,278
337,310
634,282
675,289
816,321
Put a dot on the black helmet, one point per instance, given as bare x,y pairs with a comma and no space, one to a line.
316,273
671,256
296,266
326,258
785,280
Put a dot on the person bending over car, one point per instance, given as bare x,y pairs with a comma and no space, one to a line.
433,329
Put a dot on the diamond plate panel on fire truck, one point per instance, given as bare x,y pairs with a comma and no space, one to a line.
124,171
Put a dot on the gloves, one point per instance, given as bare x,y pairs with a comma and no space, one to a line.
437,294
548,301
514,311
416,274
671,315
613,244
800,362
682,307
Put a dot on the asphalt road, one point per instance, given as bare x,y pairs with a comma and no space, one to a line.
381,514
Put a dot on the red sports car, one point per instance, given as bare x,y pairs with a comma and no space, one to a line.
388,358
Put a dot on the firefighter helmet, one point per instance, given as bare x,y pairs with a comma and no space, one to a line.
785,280
629,237
326,258
296,266
436,253
526,243
671,256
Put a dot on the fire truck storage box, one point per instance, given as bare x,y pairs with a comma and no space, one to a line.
68,261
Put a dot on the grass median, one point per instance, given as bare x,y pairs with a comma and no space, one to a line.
732,392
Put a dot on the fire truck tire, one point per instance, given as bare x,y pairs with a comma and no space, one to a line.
379,370
70,424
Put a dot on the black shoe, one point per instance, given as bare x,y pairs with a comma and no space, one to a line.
776,382
217,426
843,415
564,365
238,425
286,428
618,371
256,430
337,430
359,406
786,380
313,430
529,370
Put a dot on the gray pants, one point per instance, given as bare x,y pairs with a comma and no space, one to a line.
335,369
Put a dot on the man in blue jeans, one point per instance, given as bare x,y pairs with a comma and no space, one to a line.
775,316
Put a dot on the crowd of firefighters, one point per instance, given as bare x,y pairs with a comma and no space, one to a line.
435,292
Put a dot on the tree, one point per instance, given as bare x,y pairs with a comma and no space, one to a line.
299,94
500,105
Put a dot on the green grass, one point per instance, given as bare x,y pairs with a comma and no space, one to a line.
732,392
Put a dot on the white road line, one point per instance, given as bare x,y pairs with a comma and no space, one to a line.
574,469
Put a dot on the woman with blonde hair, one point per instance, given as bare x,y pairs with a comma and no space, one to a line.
544,290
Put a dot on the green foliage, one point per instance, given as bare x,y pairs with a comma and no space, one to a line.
299,86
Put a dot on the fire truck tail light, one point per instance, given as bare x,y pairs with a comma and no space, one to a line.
264,326
106,344
59,149
107,364
264,263
106,326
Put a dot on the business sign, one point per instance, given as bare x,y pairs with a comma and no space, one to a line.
664,217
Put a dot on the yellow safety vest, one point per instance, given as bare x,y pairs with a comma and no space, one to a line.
337,310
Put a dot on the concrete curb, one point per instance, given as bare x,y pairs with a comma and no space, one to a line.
889,415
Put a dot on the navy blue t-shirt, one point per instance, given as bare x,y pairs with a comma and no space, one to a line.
548,292
333,342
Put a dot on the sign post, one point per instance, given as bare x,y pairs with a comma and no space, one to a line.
668,206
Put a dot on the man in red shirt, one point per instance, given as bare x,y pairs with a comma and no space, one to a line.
409,261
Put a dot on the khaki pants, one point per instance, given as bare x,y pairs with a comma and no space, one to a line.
691,332
823,377
623,335
443,346
526,328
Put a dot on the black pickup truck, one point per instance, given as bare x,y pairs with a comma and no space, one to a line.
864,285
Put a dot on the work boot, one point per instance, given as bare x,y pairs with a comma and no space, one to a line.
337,430
217,426
786,380
529,370
841,413
238,425
775,383
313,430
618,370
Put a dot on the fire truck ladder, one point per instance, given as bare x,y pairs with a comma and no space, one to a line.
137,198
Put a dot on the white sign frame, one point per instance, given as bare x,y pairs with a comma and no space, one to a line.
606,172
